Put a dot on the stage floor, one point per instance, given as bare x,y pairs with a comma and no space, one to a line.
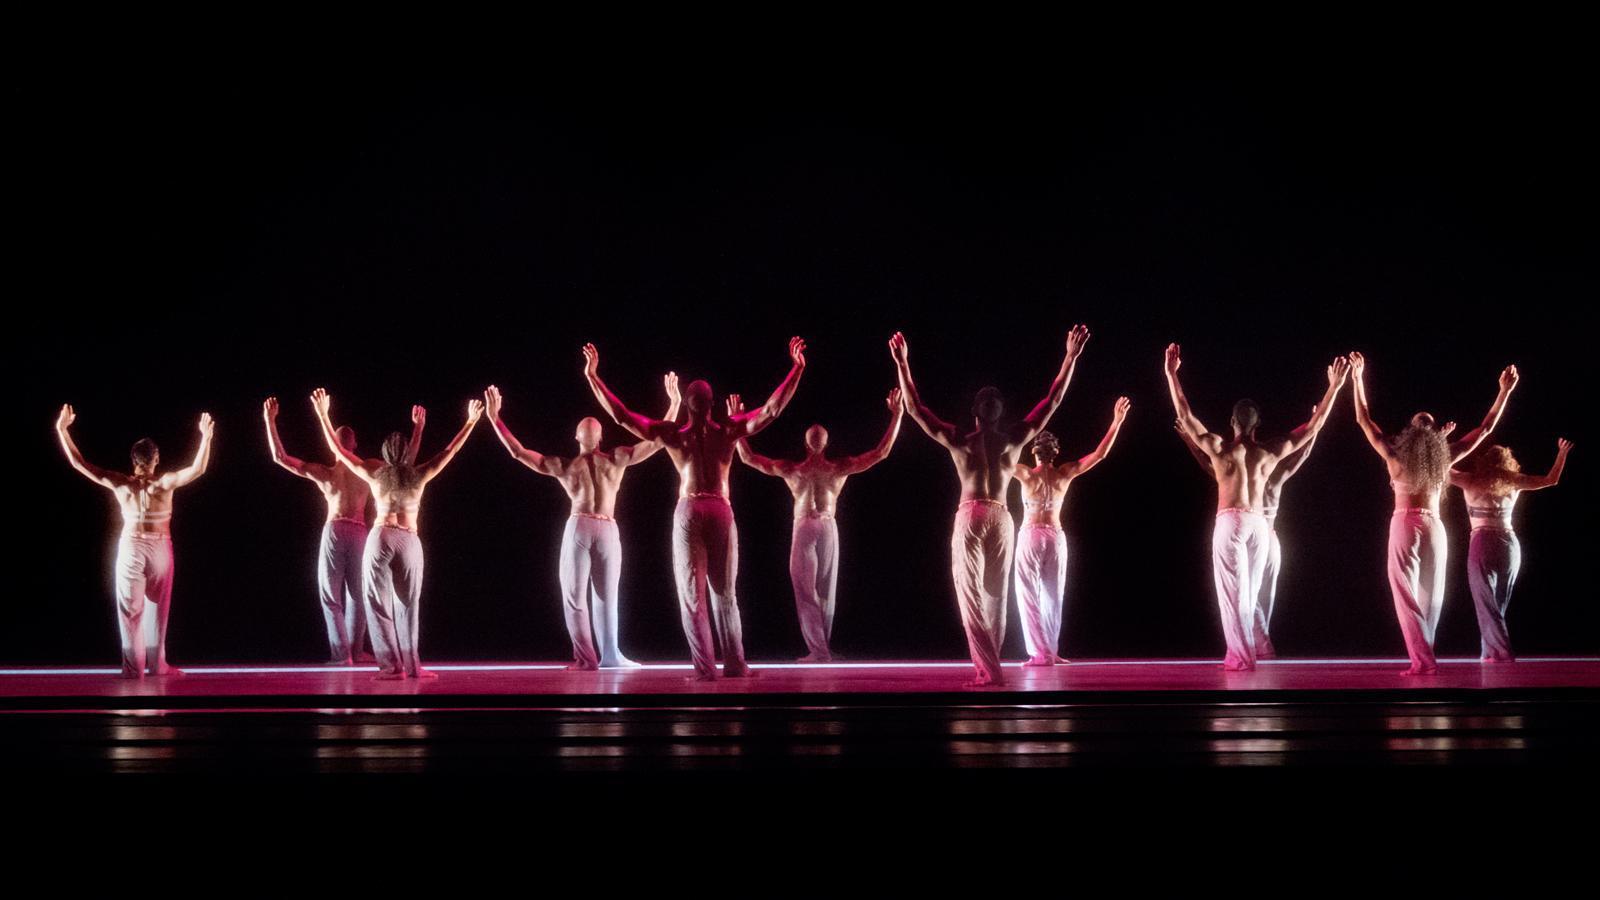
482,685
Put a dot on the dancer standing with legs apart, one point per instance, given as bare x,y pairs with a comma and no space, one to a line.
986,461
144,564
1492,484
1241,466
1419,460
392,560
1041,578
591,548
705,543
344,534
815,483
1267,590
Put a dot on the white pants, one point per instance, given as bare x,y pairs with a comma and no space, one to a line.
393,565
1493,559
705,559
814,570
591,565
1267,594
144,596
1041,581
339,586
1418,548
980,564
1238,561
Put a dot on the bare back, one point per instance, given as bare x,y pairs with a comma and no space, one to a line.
1242,469
702,452
397,490
592,481
986,461
815,485
1044,490
146,504
346,492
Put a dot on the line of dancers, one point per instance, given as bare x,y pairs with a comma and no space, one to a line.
370,576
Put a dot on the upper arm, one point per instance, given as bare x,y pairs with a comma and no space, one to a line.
1525,482
1458,478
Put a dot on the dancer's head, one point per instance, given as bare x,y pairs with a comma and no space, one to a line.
588,435
394,449
1246,417
347,437
697,398
1045,448
816,438
1423,453
1495,469
146,456
988,406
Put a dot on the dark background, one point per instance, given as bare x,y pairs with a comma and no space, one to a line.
197,238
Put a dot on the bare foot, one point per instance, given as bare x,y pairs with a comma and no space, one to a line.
621,662
1238,667
983,681
1268,653
365,657
1420,670
1491,660
422,673
339,662
164,668
813,658
389,676
701,676
738,671
133,674
582,667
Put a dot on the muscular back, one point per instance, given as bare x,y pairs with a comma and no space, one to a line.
985,461
702,452
397,490
592,480
146,504
815,485
344,491
1242,469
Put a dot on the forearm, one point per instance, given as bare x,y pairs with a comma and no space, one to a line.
1180,405
332,440
415,444
616,409
1058,390
74,455
782,395
509,440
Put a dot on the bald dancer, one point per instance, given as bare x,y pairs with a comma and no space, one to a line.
591,549
344,532
1241,466
1267,590
705,542
144,550
392,559
815,483
1041,577
986,461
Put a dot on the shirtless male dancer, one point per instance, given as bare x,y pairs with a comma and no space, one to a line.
344,533
815,483
986,461
1041,578
1419,460
705,542
144,550
591,548
1267,590
392,560
1241,466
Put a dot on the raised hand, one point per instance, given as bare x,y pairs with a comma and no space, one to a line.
492,402
797,351
898,348
1076,338
474,410
321,402
1446,429
1508,379
1563,446
1358,363
591,361
735,405
1338,371
419,416
895,406
670,382
1173,358
66,417
208,425
269,409
1120,410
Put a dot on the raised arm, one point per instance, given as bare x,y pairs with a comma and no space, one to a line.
751,422
1193,448
1035,420
202,456
766,465
103,477
1358,380
865,461
935,427
553,466
643,450
1202,437
419,418
1119,412
1338,373
1549,479
312,471
322,403
641,426
430,469
1470,441
1292,461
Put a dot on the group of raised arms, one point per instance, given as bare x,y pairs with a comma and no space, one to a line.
369,571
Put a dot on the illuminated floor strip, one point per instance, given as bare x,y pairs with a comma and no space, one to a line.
556,667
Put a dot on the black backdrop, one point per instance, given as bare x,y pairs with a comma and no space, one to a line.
199,240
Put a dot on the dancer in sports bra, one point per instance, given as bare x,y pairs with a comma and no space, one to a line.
705,542
986,461
1267,590
1241,466
591,548
144,563
1419,460
344,533
1492,483
392,560
1041,577
815,483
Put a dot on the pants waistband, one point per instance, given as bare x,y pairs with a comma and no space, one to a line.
966,503
584,515
1046,525
1240,510
1423,510
1494,526
353,521
399,528
813,515
146,535
702,495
